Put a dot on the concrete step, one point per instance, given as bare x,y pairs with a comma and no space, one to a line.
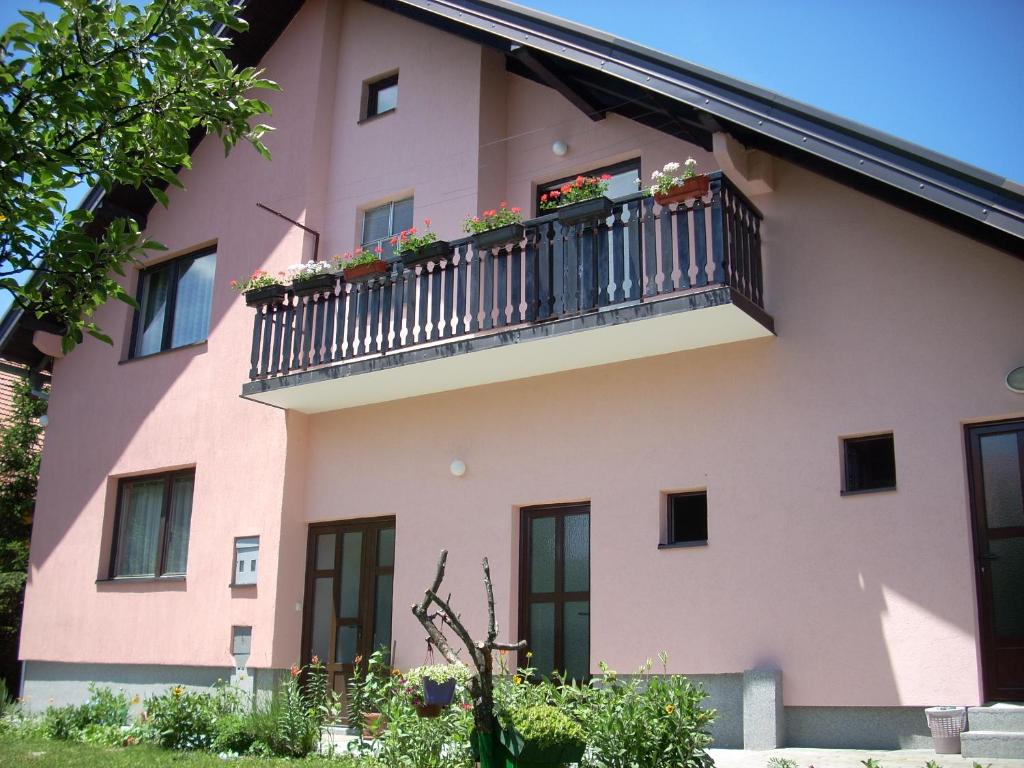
996,717
992,744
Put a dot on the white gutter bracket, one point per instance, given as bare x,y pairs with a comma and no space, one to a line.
751,170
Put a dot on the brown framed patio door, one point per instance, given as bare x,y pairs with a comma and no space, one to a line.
996,466
554,604
349,578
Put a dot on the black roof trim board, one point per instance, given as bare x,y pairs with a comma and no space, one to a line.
979,204
777,123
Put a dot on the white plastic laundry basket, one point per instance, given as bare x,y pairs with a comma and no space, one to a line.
946,725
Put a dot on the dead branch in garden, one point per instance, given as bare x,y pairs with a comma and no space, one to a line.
481,653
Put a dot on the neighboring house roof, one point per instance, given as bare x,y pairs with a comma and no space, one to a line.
601,73
7,381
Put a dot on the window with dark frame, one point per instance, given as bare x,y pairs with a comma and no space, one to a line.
383,222
174,303
381,96
625,179
687,519
154,513
869,464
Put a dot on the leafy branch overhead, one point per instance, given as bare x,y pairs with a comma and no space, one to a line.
106,93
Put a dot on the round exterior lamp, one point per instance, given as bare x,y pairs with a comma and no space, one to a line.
1015,380
560,148
457,467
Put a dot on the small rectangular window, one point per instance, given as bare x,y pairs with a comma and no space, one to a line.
383,222
381,96
687,518
869,464
154,515
174,304
247,551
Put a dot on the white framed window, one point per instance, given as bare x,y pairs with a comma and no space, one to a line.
383,222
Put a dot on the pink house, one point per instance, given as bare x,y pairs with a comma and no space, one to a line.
768,430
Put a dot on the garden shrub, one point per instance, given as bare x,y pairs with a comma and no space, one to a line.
654,720
183,719
103,716
548,728
235,733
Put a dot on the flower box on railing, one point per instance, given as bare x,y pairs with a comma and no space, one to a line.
368,271
430,252
510,233
315,284
585,210
694,187
265,295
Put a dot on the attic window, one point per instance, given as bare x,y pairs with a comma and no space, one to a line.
380,96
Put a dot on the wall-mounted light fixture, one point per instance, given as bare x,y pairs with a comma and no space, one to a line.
560,148
457,467
1015,380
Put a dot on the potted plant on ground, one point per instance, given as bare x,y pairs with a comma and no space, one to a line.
541,736
363,265
370,687
672,187
414,248
495,227
311,277
438,682
260,288
580,199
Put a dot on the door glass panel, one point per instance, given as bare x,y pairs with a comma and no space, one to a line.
542,556
351,565
346,644
1000,467
576,639
623,183
577,553
325,552
1007,594
323,615
382,611
386,548
542,637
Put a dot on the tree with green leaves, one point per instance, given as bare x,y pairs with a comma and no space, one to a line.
20,447
106,93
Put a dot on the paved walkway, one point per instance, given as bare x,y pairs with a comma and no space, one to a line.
851,758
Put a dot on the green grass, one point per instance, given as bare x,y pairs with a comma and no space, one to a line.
17,752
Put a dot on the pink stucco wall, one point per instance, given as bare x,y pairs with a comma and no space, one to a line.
884,322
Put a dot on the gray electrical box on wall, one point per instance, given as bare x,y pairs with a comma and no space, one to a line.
241,645
247,551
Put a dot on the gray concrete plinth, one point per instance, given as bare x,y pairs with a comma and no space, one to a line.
762,709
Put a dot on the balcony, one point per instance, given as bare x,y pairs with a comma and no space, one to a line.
648,280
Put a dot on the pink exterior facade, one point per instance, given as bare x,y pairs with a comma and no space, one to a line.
883,321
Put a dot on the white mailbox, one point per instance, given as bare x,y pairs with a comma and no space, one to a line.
247,552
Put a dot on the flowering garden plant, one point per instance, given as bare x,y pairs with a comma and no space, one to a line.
495,218
582,188
258,279
668,178
359,257
409,240
299,272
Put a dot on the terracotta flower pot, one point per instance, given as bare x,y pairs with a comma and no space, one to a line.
373,724
694,187
366,271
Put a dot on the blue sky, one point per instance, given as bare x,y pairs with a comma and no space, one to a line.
945,74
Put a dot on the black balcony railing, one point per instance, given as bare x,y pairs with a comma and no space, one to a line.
642,252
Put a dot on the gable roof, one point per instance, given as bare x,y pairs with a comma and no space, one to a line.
601,73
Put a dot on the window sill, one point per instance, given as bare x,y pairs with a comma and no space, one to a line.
683,545
141,579
194,345
371,118
890,489
242,586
